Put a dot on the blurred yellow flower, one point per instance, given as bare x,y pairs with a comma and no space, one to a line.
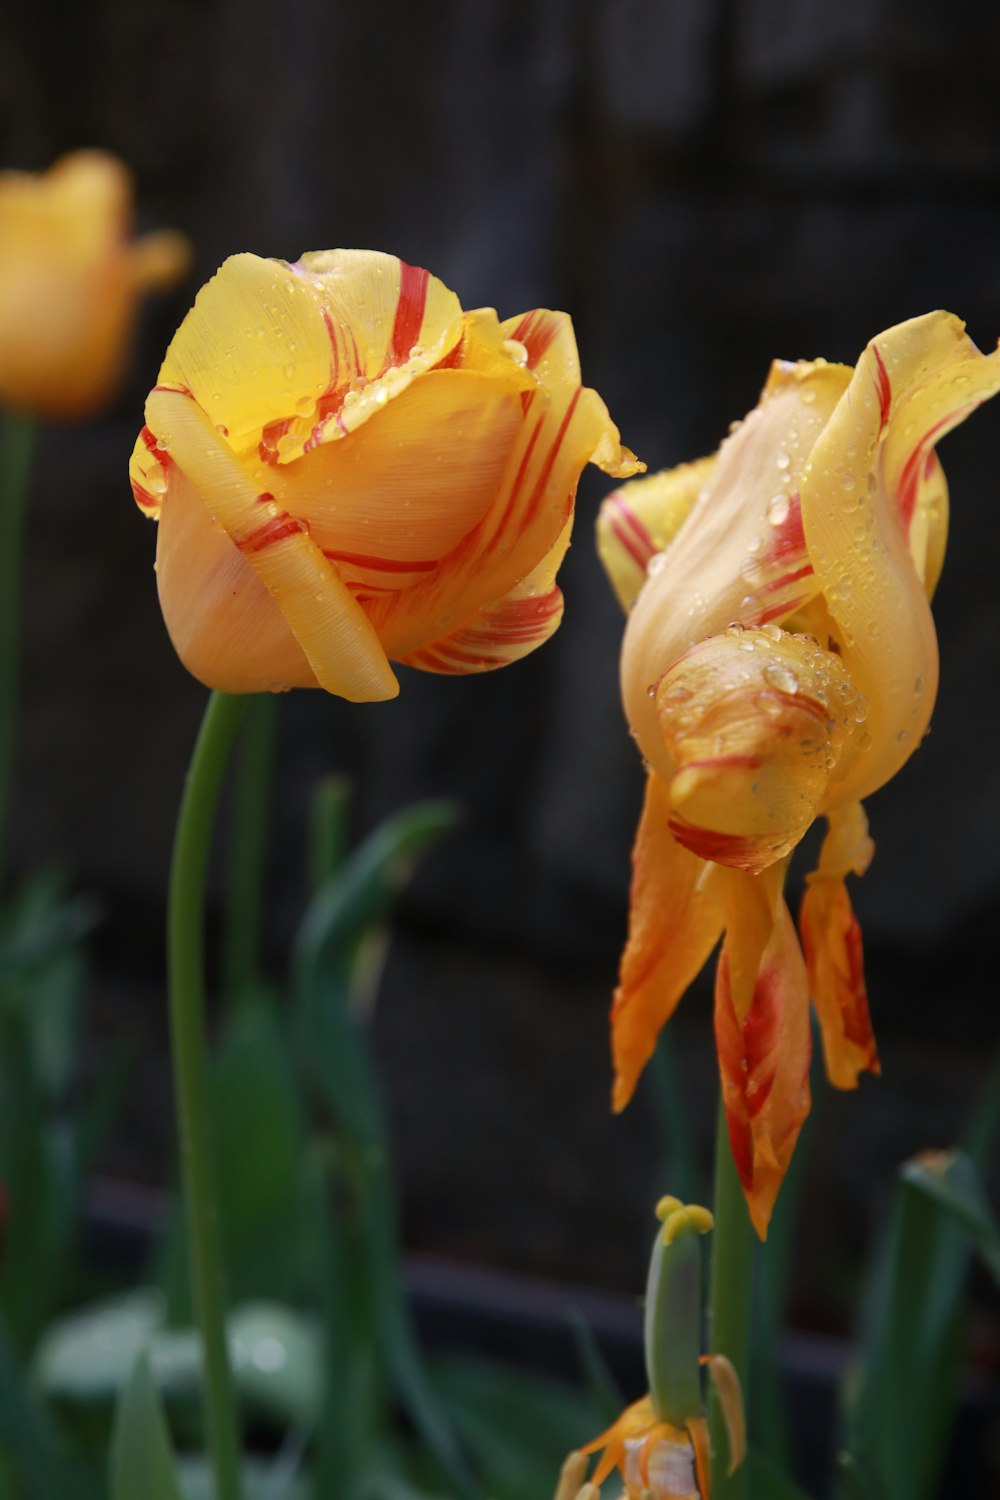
780,663
70,282
347,468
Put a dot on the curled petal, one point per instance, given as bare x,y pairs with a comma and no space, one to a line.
387,502
912,384
740,555
638,522
674,924
727,1388
753,721
764,1062
831,941
507,630
564,428
334,634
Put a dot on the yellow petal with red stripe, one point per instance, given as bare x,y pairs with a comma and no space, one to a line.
506,630
332,630
638,522
674,924
764,1064
395,496
912,384
564,426
753,722
831,940
740,555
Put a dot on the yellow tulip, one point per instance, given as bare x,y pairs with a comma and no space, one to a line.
780,663
347,468
70,283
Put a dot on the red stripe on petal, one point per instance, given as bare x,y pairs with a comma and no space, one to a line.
884,387
410,307
537,331
380,564
277,529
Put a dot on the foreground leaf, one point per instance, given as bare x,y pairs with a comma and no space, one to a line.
141,1451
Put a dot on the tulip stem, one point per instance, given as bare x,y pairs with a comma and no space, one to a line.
186,976
247,849
17,441
730,1301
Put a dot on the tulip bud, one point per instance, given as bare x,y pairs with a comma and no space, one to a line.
754,722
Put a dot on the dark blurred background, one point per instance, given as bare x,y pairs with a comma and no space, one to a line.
704,185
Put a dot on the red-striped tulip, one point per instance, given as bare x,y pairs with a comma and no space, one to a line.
780,663
70,283
348,469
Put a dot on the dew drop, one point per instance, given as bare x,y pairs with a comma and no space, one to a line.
782,678
777,510
783,460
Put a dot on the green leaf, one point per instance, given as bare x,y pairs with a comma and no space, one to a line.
768,1482
362,894
856,1478
518,1426
29,1442
141,1451
952,1180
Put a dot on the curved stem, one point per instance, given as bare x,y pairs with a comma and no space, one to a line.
186,976
17,439
730,1301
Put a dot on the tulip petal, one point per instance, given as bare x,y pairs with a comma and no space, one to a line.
831,941
333,631
507,630
637,522
223,623
673,926
740,555
397,494
753,722
764,1064
912,384
564,428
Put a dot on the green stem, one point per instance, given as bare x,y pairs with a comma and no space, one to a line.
730,1300
17,440
248,848
186,974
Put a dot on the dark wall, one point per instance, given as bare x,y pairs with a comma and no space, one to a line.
704,184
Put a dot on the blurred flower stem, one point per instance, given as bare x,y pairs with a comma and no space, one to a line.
247,849
186,978
17,441
730,1301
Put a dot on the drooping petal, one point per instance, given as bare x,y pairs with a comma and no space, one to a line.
506,630
764,1064
564,427
911,385
754,722
673,926
740,555
831,941
329,625
638,522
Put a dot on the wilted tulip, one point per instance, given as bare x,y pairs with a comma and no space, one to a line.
348,469
70,283
780,663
